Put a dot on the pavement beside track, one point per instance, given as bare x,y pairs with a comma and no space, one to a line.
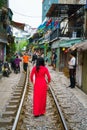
80,95
7,86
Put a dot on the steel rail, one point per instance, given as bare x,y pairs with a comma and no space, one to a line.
21,103
58,108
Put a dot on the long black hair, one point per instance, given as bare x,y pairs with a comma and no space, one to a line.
40,62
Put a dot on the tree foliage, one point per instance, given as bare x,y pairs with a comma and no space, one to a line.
21,45
10,50
3,3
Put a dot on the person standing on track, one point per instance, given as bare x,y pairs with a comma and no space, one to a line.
25,61
34,58
40,81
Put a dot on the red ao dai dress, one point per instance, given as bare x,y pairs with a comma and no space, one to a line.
42,77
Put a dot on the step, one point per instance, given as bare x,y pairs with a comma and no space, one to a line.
14,102
15,97
9,114
11,107
6,122
16,94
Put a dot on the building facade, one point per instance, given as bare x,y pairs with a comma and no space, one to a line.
45,7
72,1
70,16
5,28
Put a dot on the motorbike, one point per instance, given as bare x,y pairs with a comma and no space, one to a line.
6,69
17,69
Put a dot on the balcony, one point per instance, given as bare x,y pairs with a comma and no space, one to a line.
54,34
71,32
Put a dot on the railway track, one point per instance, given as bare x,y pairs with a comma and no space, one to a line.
18,114
53,120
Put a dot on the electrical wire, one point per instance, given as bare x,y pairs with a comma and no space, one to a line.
26,15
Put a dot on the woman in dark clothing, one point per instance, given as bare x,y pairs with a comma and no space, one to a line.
17,64
34,58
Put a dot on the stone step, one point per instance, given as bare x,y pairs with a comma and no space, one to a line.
14,102
19,87
15,98
6,122
16,94
9,114
11,108
17,91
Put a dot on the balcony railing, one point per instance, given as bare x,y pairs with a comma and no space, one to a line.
54,34
71,32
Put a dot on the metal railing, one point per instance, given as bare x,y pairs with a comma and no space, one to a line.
71,32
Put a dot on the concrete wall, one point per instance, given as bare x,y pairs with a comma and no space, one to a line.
84,72
72,1
45,7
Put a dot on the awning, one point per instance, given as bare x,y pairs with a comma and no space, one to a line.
62,9
69,43
3,41
80,46
18,25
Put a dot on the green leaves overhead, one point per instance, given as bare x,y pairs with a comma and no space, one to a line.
3,3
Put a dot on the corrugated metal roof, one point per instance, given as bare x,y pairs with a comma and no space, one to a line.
18,25
80,46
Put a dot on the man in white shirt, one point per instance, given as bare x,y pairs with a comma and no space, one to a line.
72,64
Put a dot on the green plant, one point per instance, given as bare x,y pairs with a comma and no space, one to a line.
22,44
3,3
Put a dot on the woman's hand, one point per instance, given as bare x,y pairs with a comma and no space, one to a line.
48,86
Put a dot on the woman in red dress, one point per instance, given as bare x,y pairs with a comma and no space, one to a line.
40,77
